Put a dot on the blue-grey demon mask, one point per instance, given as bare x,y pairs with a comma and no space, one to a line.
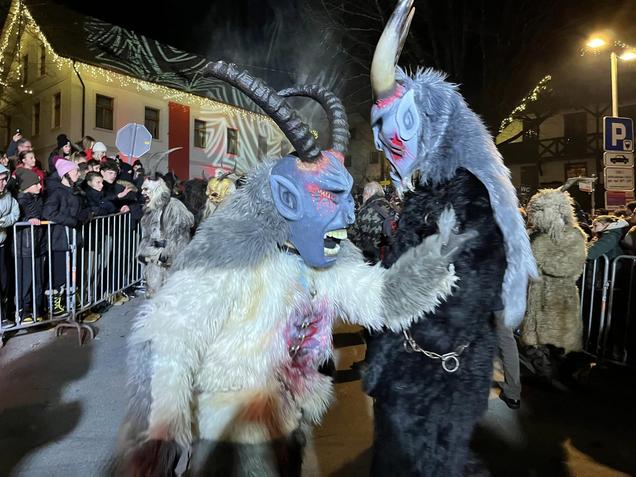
312,190
394,116
316,200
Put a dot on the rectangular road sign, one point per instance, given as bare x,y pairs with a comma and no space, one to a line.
618,134
617,199
619,178
618,159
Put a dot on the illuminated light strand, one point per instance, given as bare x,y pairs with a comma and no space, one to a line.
122,80
530,98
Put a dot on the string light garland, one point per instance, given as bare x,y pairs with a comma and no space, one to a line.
110,77
530,98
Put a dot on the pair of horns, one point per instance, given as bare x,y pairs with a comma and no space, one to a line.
274,104
388,50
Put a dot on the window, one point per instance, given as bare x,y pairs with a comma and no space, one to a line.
375,157
262,147
42,60
576,169
25,69
57,110
36,119
232,141
151,121
201,136
104,112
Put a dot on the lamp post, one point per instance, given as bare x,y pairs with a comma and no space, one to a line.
597,43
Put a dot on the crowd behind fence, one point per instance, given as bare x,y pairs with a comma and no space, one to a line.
60,286
607,291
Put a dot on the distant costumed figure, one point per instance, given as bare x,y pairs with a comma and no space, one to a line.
431,381
224,359
165,230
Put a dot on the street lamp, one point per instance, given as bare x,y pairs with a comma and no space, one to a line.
596,43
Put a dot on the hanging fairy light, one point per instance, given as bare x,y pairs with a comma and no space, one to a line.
530,98
110,77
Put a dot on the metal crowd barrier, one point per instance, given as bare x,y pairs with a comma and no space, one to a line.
607,290
100,262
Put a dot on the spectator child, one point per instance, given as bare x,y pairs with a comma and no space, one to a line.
95,195
65,205
27,161
30,248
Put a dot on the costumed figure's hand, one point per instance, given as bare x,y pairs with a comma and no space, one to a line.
424,275
153,458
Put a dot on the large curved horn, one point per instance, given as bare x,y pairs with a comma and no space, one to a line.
387,52
154,160
333,107
269,101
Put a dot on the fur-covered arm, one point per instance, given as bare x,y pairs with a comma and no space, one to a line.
177,222
416,284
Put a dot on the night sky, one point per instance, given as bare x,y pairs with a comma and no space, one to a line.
497,50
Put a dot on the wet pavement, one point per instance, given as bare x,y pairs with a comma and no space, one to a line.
61,406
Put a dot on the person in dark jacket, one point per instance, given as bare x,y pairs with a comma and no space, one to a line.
65,205
62,151
94,189
609,231
30,248
118,194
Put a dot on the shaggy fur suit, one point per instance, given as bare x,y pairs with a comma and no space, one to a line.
424,416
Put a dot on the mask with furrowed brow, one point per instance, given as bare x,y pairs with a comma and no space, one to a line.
313,190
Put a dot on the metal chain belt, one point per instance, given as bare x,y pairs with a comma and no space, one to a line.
450,361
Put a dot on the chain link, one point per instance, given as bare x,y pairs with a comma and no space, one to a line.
450,361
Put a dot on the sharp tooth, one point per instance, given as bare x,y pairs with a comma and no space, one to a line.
330,252
340,234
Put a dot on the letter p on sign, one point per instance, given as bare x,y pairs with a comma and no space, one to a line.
619,133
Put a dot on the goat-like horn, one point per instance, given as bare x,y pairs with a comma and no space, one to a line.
274,105
387,52
333,107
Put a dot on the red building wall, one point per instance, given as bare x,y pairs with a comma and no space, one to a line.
179,136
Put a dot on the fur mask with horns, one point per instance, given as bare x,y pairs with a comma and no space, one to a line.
310,190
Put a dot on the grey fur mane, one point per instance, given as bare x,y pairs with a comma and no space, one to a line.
453,136
244,230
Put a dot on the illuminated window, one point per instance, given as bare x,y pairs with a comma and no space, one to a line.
57,110
36,119
104,112
151,121
201,134
232,141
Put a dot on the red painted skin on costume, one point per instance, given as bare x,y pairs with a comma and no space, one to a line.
324,201
397,94
399,144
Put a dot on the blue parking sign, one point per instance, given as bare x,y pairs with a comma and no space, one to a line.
618,134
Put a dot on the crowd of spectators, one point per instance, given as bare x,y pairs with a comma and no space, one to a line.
80,182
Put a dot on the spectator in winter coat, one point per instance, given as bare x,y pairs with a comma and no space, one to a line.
65,205
9,214
18,144
93,165
27,161
609,231
62,151
30,248
122,196
94,185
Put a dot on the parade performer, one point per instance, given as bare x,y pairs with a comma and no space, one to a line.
165,229
431,382
224,359
552,326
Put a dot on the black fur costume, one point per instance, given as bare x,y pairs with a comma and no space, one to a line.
424,416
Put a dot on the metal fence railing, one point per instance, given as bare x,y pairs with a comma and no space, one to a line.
60,273
608,289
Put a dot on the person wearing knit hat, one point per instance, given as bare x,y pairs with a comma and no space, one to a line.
27,179
63,167
30,246
62,150
99,151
